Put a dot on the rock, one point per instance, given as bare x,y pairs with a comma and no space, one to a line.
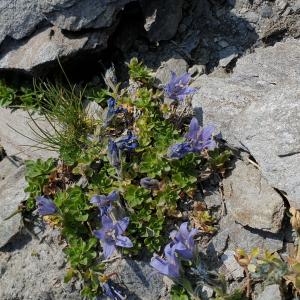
251,17
93,110
45,46
37,32
296,7
32,269
251,201
12,184
16,135
136,277
177,65
281,4
270,292
206,292
266,11
232,266
257,108
197,70
162,18
227,55
235,236
78,15
271,132
34,33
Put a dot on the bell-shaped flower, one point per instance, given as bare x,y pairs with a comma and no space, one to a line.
104,203
127,142
113,154
170,265
200,138
45,206
183,241
178,87
112,110
111,236
149,183
180,150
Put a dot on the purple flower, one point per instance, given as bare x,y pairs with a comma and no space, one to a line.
111,236
180,150
183,241
170,266
105,202
110,291
113,154
178,87
127,142
149,183
197,140
112,110
200,138
45,206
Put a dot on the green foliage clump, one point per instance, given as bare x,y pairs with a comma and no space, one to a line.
7,95
83,142
37,175
138,71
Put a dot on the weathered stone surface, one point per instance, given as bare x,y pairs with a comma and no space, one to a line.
44,46
31,269
177,65
14,123
258,108
270,292
250,200
12,184
162,18
135,276
19,19
271,132
35,32
232,266
74,15
235,236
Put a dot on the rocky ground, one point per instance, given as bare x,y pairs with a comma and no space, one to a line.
245,59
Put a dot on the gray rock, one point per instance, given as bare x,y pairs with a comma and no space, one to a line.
206,292
251,201
270,292
226,55
232,266
281,4
252,17
93,110
12,184
135,276
34,33
18,19
296,7
16,136
162,18
177,65
271,131
73,15
234,235
197,70
266,11
32,30
257,108
34,270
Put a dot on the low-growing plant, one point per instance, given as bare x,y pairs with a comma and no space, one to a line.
123,177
